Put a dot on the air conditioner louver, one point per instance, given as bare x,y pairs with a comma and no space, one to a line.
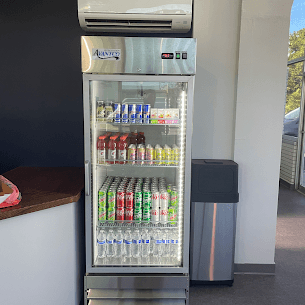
128,24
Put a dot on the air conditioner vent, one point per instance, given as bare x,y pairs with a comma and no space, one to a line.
128,24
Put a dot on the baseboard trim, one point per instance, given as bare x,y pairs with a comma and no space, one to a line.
265,269
286,184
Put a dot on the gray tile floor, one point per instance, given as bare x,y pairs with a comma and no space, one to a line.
288,285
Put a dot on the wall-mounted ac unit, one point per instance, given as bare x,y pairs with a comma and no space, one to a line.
135,15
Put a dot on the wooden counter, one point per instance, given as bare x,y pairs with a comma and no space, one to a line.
44,187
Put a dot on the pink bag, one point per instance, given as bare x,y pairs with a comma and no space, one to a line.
10,192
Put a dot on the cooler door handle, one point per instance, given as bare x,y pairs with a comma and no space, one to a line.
87,178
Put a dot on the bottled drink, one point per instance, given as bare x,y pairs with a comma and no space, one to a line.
122,149
109,111
112,148
100,110
157,244
119,240
136,243
128,243
174,247
101,241
167,246
111,244
145,243
141,138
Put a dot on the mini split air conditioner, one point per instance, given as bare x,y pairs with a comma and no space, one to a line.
135,15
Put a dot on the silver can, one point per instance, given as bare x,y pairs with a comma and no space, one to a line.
155,215
164,215
164,196
155,203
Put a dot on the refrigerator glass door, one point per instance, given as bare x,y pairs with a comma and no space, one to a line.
137,216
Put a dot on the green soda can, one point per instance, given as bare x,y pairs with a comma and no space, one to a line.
111,199
137,215
146,214
167,155
172,215
111,214
138,199
158,155
102,214
174,198
102,198
147,199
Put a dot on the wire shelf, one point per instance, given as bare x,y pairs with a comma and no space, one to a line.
142,163
137,224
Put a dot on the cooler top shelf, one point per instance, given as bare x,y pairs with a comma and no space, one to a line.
145,164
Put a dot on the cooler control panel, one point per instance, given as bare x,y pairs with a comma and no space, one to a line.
177,55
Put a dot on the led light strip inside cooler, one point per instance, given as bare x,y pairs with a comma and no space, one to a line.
181,171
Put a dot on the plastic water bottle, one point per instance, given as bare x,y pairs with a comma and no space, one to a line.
166,247
101,244
157,244
111,244
136,243
119,240
145,243
174,244
128,243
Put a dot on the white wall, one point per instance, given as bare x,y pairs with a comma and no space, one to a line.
216,27
240,84
259,123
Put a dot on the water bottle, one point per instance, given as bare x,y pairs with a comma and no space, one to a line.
145,243
128,243
166,247
157,244
136,243
119,240
101,244
174,244
111,244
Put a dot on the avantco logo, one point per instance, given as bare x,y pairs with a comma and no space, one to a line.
106,54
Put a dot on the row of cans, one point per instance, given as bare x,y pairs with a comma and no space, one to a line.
139,154
137,199
131,113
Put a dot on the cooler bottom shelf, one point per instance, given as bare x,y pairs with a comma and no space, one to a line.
138,262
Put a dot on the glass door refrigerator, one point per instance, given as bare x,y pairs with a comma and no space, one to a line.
138,101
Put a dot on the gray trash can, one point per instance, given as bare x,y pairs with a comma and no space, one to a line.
213,221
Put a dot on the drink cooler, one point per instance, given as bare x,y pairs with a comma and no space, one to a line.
213,221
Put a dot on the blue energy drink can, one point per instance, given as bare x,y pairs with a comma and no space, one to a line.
125,113
117,112
132,113
146,114
139,113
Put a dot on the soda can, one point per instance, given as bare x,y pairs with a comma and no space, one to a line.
109,111
167,155
172,215
164,196
138,199
124,113
155,200
100,110
111,214
132,113
111,198
146,215
117,112
174,198
102,198
132,151
137,215
155,216
120,214
129,199
164,215
149,154
140,154
120,199
129,214
146,114
158,155
139,113
102,217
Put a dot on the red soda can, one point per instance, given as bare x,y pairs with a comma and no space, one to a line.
120,198
129,214
120,213
129,199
